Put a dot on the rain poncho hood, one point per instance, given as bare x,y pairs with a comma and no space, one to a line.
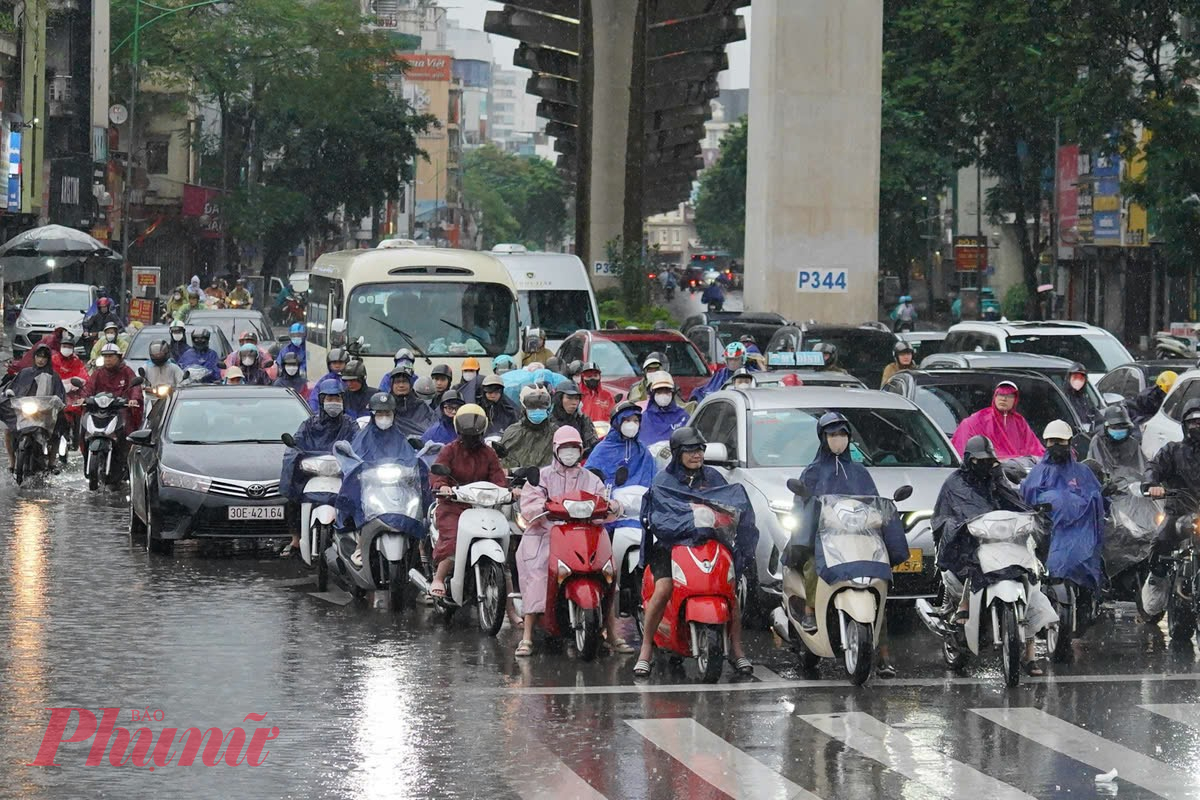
667,512
517,379
1009,433
965,496
373,448
413,415
658,423
615,451
208,359
441,431
1077,517
528,445
315,437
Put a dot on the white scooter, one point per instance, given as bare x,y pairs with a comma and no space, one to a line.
1003,611
317,513
627,548
849,612
480,555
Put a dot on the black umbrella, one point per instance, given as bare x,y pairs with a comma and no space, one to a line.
41,250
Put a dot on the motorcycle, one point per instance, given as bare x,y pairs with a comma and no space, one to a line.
481,553
581,570
696,621
627,548
1006,603
73,417
391,507
849,611
33,437
317,513
1128,541
103,433
1183,576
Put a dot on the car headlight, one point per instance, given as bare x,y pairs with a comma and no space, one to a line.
183,480
22,321
788,519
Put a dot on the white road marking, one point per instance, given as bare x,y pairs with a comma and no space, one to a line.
536,774
765,675
1095,751
900,752
1187,713
737,774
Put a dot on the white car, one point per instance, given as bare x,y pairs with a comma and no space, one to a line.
1097,349
1164,426
47,305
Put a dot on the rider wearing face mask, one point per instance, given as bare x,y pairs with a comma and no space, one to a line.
530,441
201,355
443,430
1006,429
567,410
296,345
653,363
67,364
177,341
620,448
335,362
253,373
291,376
662,413
315,436
468,460
565,474
735,359
1077,394
597,402
468,386
1118,447
112,335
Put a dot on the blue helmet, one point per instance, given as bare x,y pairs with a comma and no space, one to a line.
331,386
503,361
297,329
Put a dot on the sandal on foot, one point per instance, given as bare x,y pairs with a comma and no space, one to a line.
438,589
885,670
641,669
524,649
620,647
743,666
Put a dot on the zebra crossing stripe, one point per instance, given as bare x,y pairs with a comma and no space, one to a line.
737,774
534,773
1187,713
902,753
1095,751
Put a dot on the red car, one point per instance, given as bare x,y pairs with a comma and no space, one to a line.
620,354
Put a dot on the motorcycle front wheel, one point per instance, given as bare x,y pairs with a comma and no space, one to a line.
492,595
858,652
24,460
1010,646
587,635
711,658
93,470
322,540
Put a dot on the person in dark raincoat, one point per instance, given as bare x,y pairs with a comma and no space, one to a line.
529,442
381,442
833,471
1076,390
335,362
38,379
296,345
1118,447
1175,467
291,376
403,358
315,436
201,355
442,431
413,415
662,414
1146,403
177,339
668,520
358,393
620,448
567,411
735,359
501,412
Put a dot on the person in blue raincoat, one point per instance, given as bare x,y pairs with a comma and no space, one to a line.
380,442
834,471
442,431
735,359
201,355
668,520
315,436
295,345
1078,509
335,362
620,447
662,414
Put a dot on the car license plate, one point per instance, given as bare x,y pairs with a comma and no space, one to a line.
256,512
915,563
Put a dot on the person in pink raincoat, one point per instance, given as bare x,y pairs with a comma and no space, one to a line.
1008,431
564,474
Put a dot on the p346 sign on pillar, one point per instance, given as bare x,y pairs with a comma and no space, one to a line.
821,280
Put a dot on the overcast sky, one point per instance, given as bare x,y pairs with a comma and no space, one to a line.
470,13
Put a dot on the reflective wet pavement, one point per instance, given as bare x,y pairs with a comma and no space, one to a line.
369,703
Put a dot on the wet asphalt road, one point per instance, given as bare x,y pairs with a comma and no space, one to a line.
370,703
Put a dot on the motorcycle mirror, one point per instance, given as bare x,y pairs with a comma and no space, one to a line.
499,449
344,448
618,398
268,363
797,487
137,381
288,439
441,470
415,442
596,471
78,383
533,476
902,494
622,475
1043,508
142,372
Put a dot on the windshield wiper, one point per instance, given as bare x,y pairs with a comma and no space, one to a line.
248,441
411,342
192,441
920,448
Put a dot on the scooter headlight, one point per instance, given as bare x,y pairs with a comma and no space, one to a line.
563,571
789,521
163,390
103,400
579,509
29,408
677,573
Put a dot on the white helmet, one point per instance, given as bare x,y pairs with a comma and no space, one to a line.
1057,430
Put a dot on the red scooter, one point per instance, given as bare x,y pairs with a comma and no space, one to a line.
581,570
702,602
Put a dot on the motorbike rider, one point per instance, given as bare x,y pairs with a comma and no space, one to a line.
105,313
1175,467
468,460
413,415
116,377
742,379
470,376
735,359
66,362
902,359
442,376
291,375
240,296
529,442
1004,427
335,362
565,474
215,292
161,371
1077,395
713,295
834,471
1147,402
30,381
566,411
502,364
597,401
175,305
652,363
315,436
247,337
193,304
1118,448
177,339
829,357
253,372
662,414
535,348
443,430
620,447
200,355
501,412
111,335
295,345
358,393
904,315
687,474
403,358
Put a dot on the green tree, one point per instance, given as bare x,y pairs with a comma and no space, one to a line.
518,199
721,200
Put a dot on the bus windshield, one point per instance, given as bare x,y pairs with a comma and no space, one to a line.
559,312
455,319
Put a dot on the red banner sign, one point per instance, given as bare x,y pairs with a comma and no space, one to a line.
203,204
970,254
141,310
427,67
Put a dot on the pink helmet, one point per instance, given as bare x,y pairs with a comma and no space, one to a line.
566,435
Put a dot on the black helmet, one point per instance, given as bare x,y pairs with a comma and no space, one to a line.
574,368
381,401
832,421
355,371
686,438
568,389
66,339
1191,411
829,350
402,371
1077,369
901,347
451,396
1115,416
200,337
979,448
160,351
42,347
291,358
337,354
441,371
